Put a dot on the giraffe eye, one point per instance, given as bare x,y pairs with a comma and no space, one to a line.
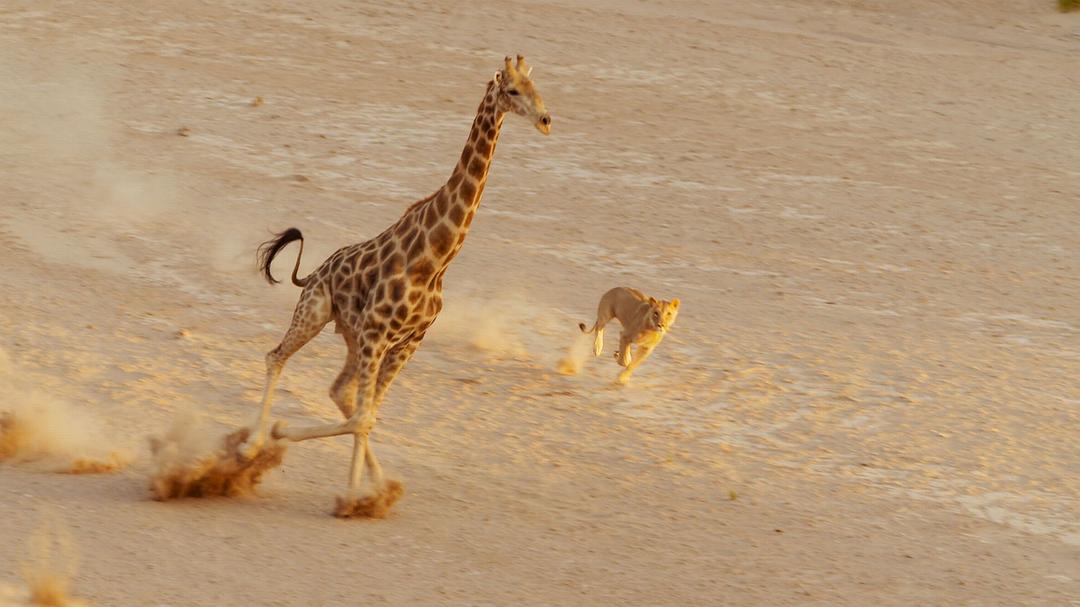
512,92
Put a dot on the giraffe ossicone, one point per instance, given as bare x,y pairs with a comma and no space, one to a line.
383,294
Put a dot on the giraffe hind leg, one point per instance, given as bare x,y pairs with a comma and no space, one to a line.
311,315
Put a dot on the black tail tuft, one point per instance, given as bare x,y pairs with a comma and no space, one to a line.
269,249
583,328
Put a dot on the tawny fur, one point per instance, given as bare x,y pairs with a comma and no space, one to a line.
645,320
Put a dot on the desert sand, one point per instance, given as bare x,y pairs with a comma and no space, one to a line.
869,211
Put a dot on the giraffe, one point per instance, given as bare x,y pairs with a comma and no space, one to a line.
384,294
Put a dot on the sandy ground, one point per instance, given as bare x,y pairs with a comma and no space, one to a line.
868,209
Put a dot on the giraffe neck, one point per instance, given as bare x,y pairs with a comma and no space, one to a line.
450,211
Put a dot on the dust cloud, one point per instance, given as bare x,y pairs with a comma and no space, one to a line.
193,459
48,571
39,430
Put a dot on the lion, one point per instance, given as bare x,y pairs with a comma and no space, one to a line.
644,322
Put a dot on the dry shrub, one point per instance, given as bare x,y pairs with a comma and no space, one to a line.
375,505
187,463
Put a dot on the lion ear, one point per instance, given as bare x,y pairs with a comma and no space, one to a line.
675,303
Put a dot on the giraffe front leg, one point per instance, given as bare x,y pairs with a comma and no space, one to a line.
377,502
394,362
640,354
386,491
344,389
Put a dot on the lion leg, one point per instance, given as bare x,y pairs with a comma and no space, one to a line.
640,354
602,318
622,356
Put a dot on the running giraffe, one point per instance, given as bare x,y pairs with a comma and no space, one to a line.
383,294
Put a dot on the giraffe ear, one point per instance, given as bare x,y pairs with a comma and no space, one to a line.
653,302
498,76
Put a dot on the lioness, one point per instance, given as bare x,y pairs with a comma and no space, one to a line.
644,321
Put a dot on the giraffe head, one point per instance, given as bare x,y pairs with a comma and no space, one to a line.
517,94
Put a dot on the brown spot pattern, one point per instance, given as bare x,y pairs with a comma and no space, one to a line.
441,240
420,272
397,289
457,214
416,249
468,191
476,167
394,265
430,218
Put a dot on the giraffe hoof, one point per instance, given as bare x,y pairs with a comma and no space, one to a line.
372,505
248,452
277,432
250,447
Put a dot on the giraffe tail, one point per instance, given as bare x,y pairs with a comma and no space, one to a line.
268,251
